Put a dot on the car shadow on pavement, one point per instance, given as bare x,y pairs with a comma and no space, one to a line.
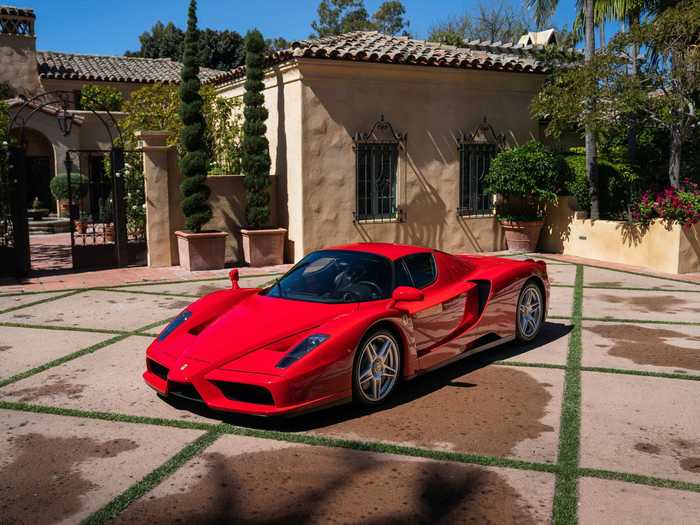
419,387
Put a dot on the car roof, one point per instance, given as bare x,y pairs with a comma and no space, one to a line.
386,249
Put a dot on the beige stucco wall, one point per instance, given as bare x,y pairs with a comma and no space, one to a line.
18,63
283,88
431,105
657,247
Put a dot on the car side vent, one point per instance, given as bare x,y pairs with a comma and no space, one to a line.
483,289
196,330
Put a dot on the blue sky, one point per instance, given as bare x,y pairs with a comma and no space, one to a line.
111,27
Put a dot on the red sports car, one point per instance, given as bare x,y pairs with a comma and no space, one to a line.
346,323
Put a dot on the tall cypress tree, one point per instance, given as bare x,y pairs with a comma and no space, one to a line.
194,160
255,154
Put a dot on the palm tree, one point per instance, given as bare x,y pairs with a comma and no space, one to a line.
543,11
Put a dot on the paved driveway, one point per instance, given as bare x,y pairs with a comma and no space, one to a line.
598,421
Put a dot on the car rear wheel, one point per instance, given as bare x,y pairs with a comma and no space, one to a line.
530,312
376,367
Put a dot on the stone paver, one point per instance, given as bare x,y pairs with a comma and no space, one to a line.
61,469
12,301
643,425
649,347
496,410
248,480
632,304
551,347
101,309
25,348
201,287
108,380
614,279
606,502
561,274
561,301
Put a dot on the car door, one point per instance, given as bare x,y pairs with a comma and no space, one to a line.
441,311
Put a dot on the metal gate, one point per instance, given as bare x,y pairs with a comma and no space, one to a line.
106,208
14,231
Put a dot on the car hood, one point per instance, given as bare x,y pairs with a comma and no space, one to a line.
255,322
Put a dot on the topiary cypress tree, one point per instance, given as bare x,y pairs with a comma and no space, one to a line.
255,154
194,159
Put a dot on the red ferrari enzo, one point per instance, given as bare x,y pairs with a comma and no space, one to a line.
346,323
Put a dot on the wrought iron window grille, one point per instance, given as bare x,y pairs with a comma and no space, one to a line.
376,173
476,150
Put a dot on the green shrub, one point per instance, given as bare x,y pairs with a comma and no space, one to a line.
616,183
59,186
526,178
100,98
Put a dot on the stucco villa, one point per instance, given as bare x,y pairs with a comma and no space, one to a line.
383,138
30,72
372,137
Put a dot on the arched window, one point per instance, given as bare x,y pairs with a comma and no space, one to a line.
376,165
475,153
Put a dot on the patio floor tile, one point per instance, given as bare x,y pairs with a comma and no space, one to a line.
618,503
495,411
248,480
11,301
561,301
100,309
641,425
650,306
561,274
61,469
24,348
615,279
550,347
654,348
108,380
202,287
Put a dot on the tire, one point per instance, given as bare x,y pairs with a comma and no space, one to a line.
381,383
529,312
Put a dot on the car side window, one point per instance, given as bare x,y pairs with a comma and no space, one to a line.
421,266
402,276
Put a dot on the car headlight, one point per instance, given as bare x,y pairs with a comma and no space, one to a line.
302,349
172,325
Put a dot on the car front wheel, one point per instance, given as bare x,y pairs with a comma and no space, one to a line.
376,367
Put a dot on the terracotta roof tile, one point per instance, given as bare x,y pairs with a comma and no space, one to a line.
372,46
73,66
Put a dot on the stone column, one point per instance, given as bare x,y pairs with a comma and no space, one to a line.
160,225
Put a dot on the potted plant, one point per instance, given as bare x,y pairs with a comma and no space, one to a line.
59,189
261,246
525,179
198,249
106,216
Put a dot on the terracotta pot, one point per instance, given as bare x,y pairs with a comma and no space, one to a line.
264,247
201,251
522,236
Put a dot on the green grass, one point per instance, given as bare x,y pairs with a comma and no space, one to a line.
40,301
566,487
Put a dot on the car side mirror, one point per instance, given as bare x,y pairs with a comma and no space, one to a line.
406,293
233,275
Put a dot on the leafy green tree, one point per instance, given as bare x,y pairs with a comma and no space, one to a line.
100,98
194,159
255,154
336,17
162,41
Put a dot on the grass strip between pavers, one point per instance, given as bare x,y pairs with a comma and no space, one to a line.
566,487
630,321
153,479
639,479
40,301
40,326
79,353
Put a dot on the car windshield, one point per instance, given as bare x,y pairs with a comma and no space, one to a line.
336,276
